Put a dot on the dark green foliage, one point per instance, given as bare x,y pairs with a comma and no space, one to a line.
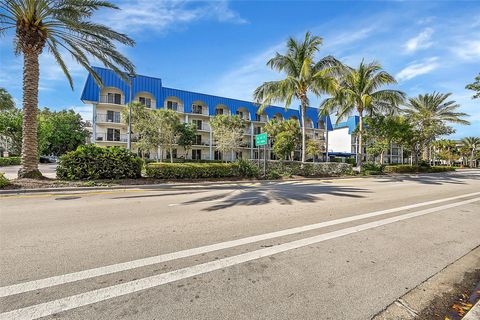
405,168
11,129
9,161
247,168
6,100
351,161
60,132
370,168
165,170
91,162
3,181
309,169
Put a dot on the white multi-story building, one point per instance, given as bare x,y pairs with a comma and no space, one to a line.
108,101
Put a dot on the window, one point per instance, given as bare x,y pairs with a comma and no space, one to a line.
217,155
174,154
113,116
115,98
257,130
321,124
198,139
147,102
255,155
219,111
172,105
113,134
257,117
240,113
196,154
238,155
197,124
196,108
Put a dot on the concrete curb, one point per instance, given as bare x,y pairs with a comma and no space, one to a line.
474,313
408,306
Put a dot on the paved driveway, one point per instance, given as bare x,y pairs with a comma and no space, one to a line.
47,169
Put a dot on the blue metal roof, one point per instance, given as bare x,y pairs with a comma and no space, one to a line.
351,123
140,83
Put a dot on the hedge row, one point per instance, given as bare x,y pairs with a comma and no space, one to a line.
10,161
405,168
94,162
309,169
164,170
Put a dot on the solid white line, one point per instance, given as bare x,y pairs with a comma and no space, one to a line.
100,271
94,296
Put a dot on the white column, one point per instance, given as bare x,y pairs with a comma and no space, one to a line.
251,140
94,123
210,147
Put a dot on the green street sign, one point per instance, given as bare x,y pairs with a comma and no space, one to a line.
261,139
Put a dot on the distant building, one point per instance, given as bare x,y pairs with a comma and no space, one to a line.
343,143
192,107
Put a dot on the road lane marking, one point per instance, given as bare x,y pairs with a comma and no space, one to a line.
94,296
124,266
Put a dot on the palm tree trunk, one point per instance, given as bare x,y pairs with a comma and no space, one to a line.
31,75
304,109
360,142
171,154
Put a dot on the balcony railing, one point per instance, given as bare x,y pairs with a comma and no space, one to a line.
115,138
260,119
203,127
111,100
102,117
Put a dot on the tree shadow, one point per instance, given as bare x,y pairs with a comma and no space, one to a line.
274,192
433,178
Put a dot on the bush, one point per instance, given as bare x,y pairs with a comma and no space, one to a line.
166,170
405,168
309,169
91,162
247,169
10,161
3,181
370,168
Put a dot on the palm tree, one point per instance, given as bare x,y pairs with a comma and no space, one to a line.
303,75
358,91
61,26
430,113
472,144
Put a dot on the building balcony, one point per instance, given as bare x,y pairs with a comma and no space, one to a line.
203,127
262,118
105,118
107,99
122,138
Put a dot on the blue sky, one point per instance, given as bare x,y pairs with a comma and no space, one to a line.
221,47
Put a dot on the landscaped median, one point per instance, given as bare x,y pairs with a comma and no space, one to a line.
9,161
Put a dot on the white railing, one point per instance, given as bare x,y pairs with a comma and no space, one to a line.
111,100
102,117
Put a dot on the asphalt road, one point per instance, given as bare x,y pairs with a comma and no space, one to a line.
316,249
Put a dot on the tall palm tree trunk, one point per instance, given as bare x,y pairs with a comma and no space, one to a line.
360,140
29,168
304,132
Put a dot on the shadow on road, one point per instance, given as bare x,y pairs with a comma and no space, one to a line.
433,178
284,193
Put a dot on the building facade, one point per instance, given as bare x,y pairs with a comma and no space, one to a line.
108,129
342,142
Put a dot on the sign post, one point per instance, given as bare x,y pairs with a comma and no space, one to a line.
261,140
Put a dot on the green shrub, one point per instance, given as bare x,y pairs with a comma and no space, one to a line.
247,169
405,168
10,161
165,170
370,168
309,169
91,162
3,181
351,161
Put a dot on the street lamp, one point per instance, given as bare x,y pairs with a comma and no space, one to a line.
129,139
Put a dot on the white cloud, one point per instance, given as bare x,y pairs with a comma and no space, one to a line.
420,41
159,16
416,69
86,112
468,50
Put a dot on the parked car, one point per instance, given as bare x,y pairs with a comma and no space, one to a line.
48,159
